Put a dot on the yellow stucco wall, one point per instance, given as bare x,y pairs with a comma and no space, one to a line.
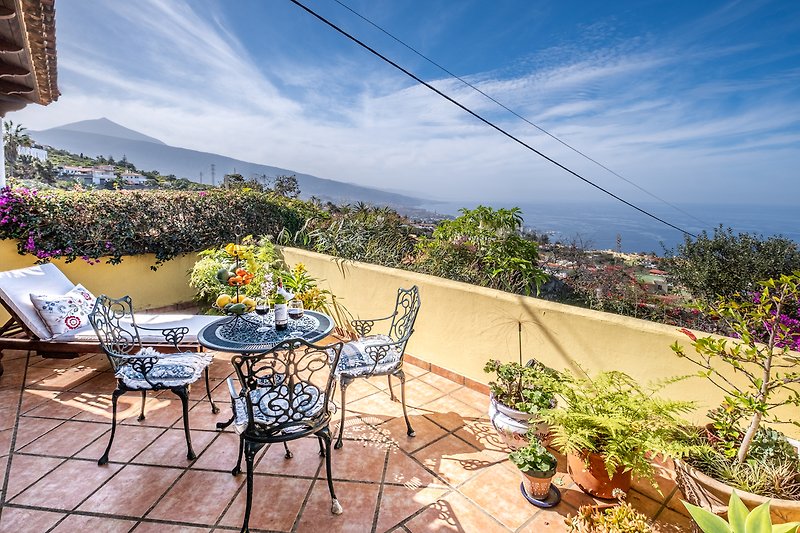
166,286
460,326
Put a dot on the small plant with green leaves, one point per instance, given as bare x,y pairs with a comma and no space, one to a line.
761,354
620,518
530,388
533,458
616,417
740,519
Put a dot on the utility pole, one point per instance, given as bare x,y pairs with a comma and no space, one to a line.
213,175
201,178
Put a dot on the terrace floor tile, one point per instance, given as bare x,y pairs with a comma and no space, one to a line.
452,476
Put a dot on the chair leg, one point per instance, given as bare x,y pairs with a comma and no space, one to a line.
325,435
391,391
321,446
214,408
400,374
238,468
183,394
288,454
344,383
144,399
114,397
250,450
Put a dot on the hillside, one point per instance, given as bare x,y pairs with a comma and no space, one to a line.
107,138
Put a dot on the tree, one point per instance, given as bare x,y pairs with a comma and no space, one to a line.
14,136
286,186
484,246
726,263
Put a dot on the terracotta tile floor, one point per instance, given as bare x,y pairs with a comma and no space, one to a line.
453,476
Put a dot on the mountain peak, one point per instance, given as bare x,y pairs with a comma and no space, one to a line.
108,128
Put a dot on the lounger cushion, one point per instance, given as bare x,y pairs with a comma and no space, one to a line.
17,285
67,312
194,322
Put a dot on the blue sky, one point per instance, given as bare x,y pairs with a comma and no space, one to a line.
694,101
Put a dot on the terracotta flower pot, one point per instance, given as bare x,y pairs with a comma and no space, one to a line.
589,471
537,484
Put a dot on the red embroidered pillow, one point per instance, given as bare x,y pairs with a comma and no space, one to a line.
64,313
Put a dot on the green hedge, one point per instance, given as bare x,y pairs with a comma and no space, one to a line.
111,224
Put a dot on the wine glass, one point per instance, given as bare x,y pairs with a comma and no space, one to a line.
295,310
262,309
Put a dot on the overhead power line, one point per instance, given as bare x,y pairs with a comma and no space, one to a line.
521,117
484,120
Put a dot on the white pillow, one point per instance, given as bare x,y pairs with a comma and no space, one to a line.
87,298
64,313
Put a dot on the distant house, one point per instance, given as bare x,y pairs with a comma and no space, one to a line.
36,153
89,175
133,178
82,174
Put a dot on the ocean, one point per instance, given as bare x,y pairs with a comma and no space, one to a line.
596,225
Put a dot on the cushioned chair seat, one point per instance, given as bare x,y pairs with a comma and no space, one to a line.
171,370
271,406
355,361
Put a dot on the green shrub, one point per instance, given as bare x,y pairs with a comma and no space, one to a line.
725,263
111,224
486,247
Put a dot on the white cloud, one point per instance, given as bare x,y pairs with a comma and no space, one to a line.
180,74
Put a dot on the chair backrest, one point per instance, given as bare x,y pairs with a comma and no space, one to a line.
113,322
287,389
405,313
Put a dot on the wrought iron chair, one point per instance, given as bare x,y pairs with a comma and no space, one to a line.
143,369
380,355
283,394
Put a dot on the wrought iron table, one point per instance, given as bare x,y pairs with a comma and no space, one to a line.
240,335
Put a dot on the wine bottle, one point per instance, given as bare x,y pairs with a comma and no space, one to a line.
281,312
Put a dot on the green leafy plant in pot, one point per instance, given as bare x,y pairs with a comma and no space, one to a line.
518,396
758,373
609,428
740,519
538,466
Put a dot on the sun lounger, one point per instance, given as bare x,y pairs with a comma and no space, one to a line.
26,330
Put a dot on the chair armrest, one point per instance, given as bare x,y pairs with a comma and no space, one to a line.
171,335
363,327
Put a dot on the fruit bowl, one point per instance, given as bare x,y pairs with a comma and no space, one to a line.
234,305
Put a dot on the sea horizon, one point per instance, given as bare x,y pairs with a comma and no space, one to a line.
595,225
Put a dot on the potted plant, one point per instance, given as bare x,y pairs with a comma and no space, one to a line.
538,466
517,397
758,373
609,517
740,519
610,427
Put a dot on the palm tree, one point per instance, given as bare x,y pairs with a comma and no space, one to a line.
14,136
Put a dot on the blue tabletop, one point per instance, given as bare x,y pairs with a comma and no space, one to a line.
240,334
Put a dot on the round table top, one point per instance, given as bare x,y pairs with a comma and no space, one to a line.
239,334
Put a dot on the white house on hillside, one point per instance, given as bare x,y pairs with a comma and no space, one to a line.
36,153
